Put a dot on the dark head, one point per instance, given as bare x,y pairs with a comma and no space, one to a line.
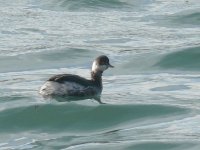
101,63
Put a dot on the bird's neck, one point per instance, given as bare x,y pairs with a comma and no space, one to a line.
97,78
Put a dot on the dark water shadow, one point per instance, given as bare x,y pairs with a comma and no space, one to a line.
75,98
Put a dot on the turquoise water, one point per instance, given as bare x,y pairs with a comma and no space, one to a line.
152,95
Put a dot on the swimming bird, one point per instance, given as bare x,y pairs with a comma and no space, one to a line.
74,85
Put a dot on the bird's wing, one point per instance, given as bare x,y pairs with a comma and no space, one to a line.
62,78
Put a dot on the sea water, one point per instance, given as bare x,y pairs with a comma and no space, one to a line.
152,96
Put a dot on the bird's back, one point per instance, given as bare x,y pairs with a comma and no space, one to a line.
62,78
68,84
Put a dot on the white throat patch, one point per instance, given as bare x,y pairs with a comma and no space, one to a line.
96,67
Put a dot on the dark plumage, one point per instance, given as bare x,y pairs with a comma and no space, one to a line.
74,85
62,78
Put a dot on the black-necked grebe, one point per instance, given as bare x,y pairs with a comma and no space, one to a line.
74,85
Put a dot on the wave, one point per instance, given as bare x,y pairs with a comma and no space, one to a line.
71,117
84,5
186,59
180,19
130,145
48,59
187,19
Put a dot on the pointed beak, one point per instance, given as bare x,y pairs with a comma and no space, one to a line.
110,66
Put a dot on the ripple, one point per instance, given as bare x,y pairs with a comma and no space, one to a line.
171,88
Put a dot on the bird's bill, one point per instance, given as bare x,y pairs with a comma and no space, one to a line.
110,66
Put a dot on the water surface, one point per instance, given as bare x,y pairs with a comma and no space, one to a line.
152,94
